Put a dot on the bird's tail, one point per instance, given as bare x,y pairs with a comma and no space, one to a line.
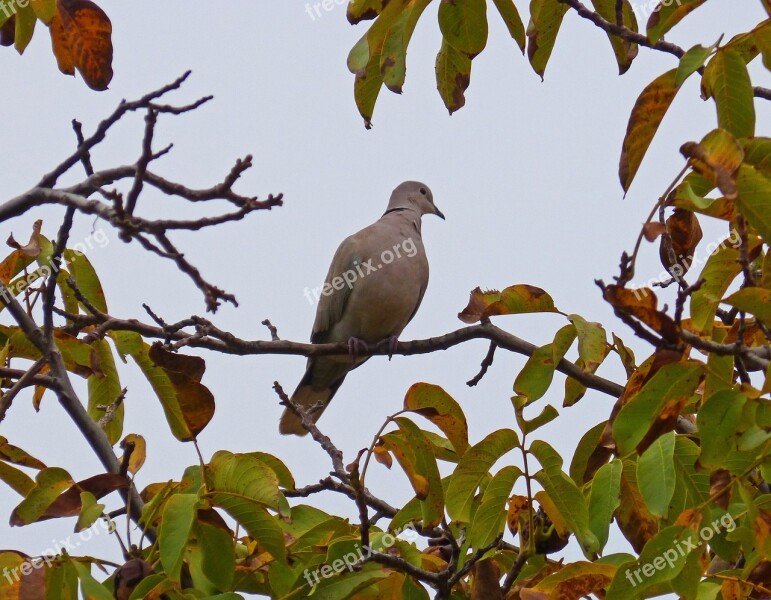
313,395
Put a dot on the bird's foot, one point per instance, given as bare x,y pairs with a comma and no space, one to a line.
393,342
357,345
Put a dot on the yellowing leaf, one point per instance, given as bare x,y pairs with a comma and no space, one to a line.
667,14
515,299
727,80
436,405
138,454
545,20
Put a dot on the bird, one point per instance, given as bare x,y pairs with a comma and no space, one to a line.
374,287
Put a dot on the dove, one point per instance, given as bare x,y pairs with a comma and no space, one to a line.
373,289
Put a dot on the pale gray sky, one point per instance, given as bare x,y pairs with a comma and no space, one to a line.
526,174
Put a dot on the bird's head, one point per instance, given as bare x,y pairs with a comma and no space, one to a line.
413,195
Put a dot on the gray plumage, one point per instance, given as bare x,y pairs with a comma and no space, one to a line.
373,289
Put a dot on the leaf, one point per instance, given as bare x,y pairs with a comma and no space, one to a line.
19,481
81,39
668,14
463,24
16,455
138,454
510,14
721,269
393,59
753,300
436,405
545,20
49,483
187,404
668,389
490,518
425,463
361,10
218,553
727,80
104,388
69,503
717,420
575,580
44,9
86,279
592,342
625,51
565,495
347,584
536,376
647,114
656,474
90,511
717,158
25,27
514,300
755,199
547,415
90,587
692,61
633,517
453,75
642,304
678,247
584,450
473,468
604,499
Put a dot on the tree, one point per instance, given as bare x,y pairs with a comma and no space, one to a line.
681,464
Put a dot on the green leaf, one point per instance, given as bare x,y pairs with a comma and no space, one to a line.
691,62
547,415
90,511
633,579
727,80
91,588
717,420
656,474
668,14
624,51
283,474
463,24
586,446
85,277
671,386
647,114
393,59
49,483
453,75
692,487
545,20
755,199
472,470
436,405
565,495
425,463
218,554
756,301
721,269
243,486
490,518
25,27
508,10
604,499
176,526
537,374
44,9
592,342
104,388
345,585
361,10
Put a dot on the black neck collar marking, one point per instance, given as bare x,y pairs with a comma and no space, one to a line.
397,209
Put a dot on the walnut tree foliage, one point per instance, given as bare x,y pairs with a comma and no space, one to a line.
680,467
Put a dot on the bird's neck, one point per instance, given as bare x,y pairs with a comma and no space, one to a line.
406,216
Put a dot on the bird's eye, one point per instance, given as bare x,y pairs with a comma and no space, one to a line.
423,191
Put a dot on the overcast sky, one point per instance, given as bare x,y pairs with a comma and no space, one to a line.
526,175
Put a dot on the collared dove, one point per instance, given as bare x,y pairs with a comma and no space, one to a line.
373,289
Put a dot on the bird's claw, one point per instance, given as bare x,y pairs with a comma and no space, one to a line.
356,345
393,342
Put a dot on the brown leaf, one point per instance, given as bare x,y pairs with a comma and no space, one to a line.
718,481
81,39
32,248
68,503
8,32
487,577
678,247
517,504
383,456
642,304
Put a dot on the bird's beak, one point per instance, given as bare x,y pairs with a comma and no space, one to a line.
439,213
